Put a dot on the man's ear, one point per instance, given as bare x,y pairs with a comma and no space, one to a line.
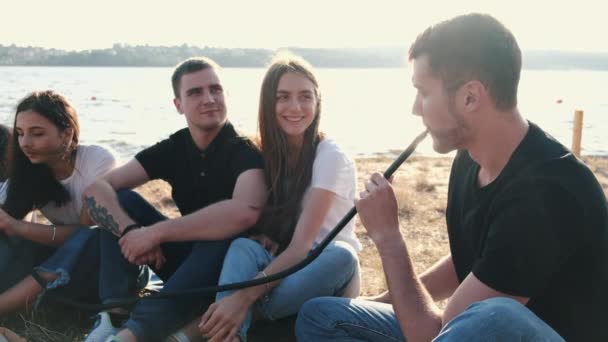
178,105
473,93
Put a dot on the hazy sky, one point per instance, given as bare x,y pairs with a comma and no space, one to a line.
84,24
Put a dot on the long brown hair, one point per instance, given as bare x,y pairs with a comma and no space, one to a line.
287,175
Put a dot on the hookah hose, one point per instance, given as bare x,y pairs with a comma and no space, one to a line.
121,302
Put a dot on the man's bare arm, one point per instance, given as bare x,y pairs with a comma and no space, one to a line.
470,291
101,200
419,317
220,220
440,280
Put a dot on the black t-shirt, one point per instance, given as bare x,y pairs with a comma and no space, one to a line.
539,230
200,178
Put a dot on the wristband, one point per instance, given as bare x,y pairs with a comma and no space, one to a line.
129,228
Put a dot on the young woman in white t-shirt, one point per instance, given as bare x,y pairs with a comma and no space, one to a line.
312,186
48,170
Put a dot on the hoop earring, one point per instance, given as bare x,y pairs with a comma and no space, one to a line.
66,151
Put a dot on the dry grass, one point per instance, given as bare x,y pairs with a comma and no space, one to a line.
421,189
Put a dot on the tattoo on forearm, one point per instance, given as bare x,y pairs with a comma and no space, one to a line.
101,216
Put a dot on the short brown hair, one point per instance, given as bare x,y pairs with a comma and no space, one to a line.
473,46
188,66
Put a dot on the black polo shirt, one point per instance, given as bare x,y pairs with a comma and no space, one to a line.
200,178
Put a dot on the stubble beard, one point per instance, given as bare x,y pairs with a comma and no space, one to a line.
213,126
451,139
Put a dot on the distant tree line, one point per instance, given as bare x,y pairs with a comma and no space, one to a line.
146,55
563,60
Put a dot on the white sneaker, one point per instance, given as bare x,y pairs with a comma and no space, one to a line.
102,329
113,338
177,337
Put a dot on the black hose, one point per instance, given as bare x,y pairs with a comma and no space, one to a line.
254,282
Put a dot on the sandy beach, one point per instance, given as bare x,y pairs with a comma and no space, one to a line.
420,184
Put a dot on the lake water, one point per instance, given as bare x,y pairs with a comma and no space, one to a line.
366,110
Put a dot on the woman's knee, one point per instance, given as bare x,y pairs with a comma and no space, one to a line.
343,257
244,248
48,276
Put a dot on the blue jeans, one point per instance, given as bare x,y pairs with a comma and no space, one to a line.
189,265
18,257
76,263
495,319
327,275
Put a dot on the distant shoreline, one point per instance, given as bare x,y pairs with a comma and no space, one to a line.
120,55
261,67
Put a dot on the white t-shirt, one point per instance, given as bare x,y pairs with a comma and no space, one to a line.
334,171
92,161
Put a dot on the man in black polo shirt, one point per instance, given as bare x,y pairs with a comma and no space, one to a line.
527,221
218,186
